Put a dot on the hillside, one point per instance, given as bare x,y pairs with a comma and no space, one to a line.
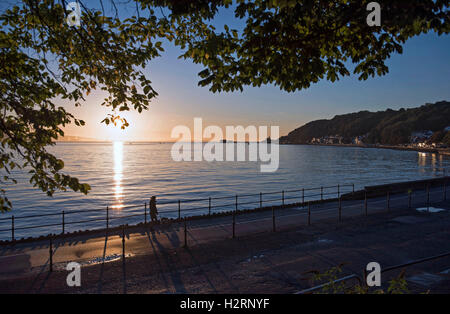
383,127
70,138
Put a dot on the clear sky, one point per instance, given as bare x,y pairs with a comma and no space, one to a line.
420,75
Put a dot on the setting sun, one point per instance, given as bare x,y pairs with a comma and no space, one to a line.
120,130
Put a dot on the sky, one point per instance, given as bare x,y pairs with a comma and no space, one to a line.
420,75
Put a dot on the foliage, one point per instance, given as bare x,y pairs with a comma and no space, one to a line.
44,60
290,44
293,44
397,285
383,127
329,277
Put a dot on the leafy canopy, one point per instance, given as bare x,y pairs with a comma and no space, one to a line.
290,44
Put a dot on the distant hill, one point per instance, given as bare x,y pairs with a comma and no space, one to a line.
384,127
70,138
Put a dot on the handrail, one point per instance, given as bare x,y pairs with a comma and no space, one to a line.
328,283
426,259
211,208
190,201
418,261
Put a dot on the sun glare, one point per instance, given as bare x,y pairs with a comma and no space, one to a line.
116,133
118,175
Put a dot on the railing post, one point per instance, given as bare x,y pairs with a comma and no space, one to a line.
145,212
273,219
234,225
282,198
303,197
12,228
321,193
179,209
123,243
428,196
353,189
445,189
185,233
209,206
260,199
107,217
63,222
50,252
409,198
365,201
388,201
340,210
309,213
339,191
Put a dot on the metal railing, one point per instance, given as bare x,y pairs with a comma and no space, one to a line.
362,280
174,209
181,209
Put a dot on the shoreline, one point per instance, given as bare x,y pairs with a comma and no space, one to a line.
441,151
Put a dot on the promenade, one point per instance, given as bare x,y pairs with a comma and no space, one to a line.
271,251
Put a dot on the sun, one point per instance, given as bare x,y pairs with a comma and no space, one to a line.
119,130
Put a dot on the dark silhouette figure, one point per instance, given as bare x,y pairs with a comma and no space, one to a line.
153,209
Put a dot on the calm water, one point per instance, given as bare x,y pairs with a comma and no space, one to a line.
124,176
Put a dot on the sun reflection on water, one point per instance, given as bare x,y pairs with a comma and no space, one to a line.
118,175
422,161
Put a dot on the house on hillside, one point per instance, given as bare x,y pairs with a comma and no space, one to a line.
420,136
358,140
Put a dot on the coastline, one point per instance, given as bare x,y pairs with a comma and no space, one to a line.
442,151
